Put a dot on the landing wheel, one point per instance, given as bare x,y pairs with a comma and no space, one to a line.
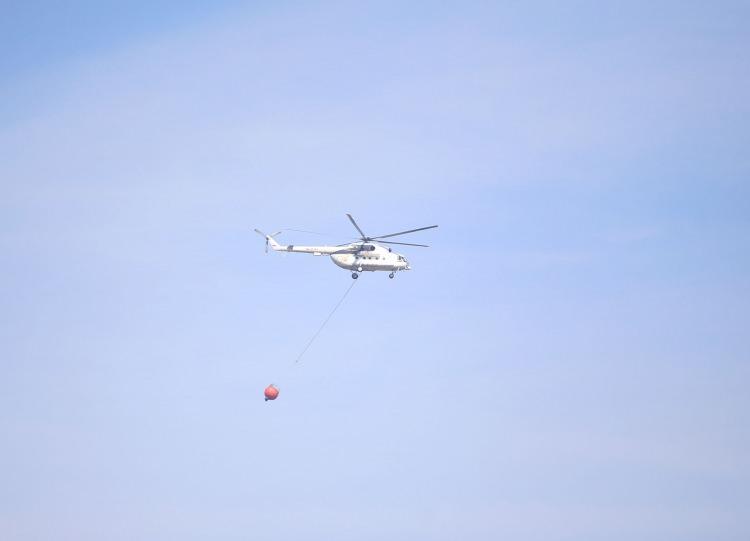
355,275
391,275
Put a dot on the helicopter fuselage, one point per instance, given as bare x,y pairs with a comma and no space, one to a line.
377,259
354,257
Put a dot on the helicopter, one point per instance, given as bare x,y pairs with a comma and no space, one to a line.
365,254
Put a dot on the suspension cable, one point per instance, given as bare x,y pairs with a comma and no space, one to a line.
309,343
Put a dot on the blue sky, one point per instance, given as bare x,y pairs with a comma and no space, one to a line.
569,360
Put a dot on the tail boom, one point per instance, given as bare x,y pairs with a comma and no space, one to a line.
315,250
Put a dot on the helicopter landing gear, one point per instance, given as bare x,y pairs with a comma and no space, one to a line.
391,275
355,275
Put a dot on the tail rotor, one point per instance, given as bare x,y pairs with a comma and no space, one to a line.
267,237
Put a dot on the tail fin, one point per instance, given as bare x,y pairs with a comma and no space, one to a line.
270,240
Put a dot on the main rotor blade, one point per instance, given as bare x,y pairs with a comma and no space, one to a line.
306,231
403,232
404,243
355,225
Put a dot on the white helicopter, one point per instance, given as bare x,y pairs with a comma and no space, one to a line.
367,254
